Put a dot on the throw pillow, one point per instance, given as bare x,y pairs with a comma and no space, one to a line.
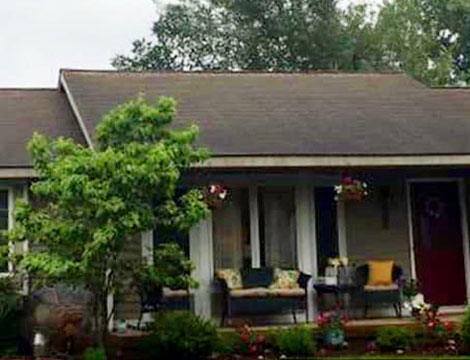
380,272
285,279
252,278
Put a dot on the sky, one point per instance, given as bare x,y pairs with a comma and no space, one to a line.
39,37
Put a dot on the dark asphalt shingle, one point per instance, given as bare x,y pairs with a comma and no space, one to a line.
23,111
293,114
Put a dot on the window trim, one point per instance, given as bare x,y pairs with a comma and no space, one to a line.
11,201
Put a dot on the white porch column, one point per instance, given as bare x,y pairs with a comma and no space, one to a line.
341,221
201,253
306,237
254,227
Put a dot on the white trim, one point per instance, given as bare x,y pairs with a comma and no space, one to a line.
410,231
26,243
259,161
109,306
147,246
11,202
341,224
465,235
11,246
306,238
18,173
306,229
75,110
202,254
254,227
147,256
463,222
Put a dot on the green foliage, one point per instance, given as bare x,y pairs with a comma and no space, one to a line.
94,354
241,34
170,268
181,336
465,330
394,338
430,39
95,201
296,341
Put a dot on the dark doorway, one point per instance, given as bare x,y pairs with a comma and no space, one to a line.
327,230
438,242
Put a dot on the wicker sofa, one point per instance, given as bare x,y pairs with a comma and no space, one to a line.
262,291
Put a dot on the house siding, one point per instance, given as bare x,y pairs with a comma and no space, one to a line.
372,234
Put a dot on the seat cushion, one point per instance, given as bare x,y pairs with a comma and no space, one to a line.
285,279
380,272
391,287
232,277
249,293
254,278
287,292
169,293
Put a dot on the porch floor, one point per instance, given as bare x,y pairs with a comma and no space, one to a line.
360,327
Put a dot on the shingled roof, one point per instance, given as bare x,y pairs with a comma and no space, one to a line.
23,111
292,114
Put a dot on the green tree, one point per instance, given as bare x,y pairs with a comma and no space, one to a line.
241,34
429,39
94,202
417,36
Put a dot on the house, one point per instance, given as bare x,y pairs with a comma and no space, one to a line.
281,143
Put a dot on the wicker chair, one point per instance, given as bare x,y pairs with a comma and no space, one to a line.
380,294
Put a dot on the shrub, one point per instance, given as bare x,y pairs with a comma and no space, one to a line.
94,354
394,338
181,336
296,341
465,330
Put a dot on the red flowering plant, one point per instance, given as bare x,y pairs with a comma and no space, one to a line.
248,342
435,331
215,195
351,189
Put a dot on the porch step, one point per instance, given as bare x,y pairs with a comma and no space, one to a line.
357,328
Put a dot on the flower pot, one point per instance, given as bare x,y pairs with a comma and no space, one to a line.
334,337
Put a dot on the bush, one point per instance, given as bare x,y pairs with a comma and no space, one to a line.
181,336
94,354
296,341
394,338
465,330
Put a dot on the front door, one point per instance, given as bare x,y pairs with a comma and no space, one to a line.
438,242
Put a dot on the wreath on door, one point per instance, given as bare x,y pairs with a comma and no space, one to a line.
433,207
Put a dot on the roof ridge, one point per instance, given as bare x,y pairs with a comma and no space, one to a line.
230,72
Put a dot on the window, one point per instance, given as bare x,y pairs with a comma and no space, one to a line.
4,221
278,244
231,231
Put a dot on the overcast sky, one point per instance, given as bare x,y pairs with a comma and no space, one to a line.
38,37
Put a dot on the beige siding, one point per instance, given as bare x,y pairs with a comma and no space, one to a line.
370,236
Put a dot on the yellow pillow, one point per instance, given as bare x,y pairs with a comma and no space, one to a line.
380,272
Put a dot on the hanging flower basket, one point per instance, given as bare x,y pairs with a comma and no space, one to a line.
351,190
215,195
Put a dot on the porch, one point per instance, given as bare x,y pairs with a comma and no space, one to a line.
290,219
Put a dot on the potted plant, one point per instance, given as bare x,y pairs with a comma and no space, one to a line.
332,327
351,190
